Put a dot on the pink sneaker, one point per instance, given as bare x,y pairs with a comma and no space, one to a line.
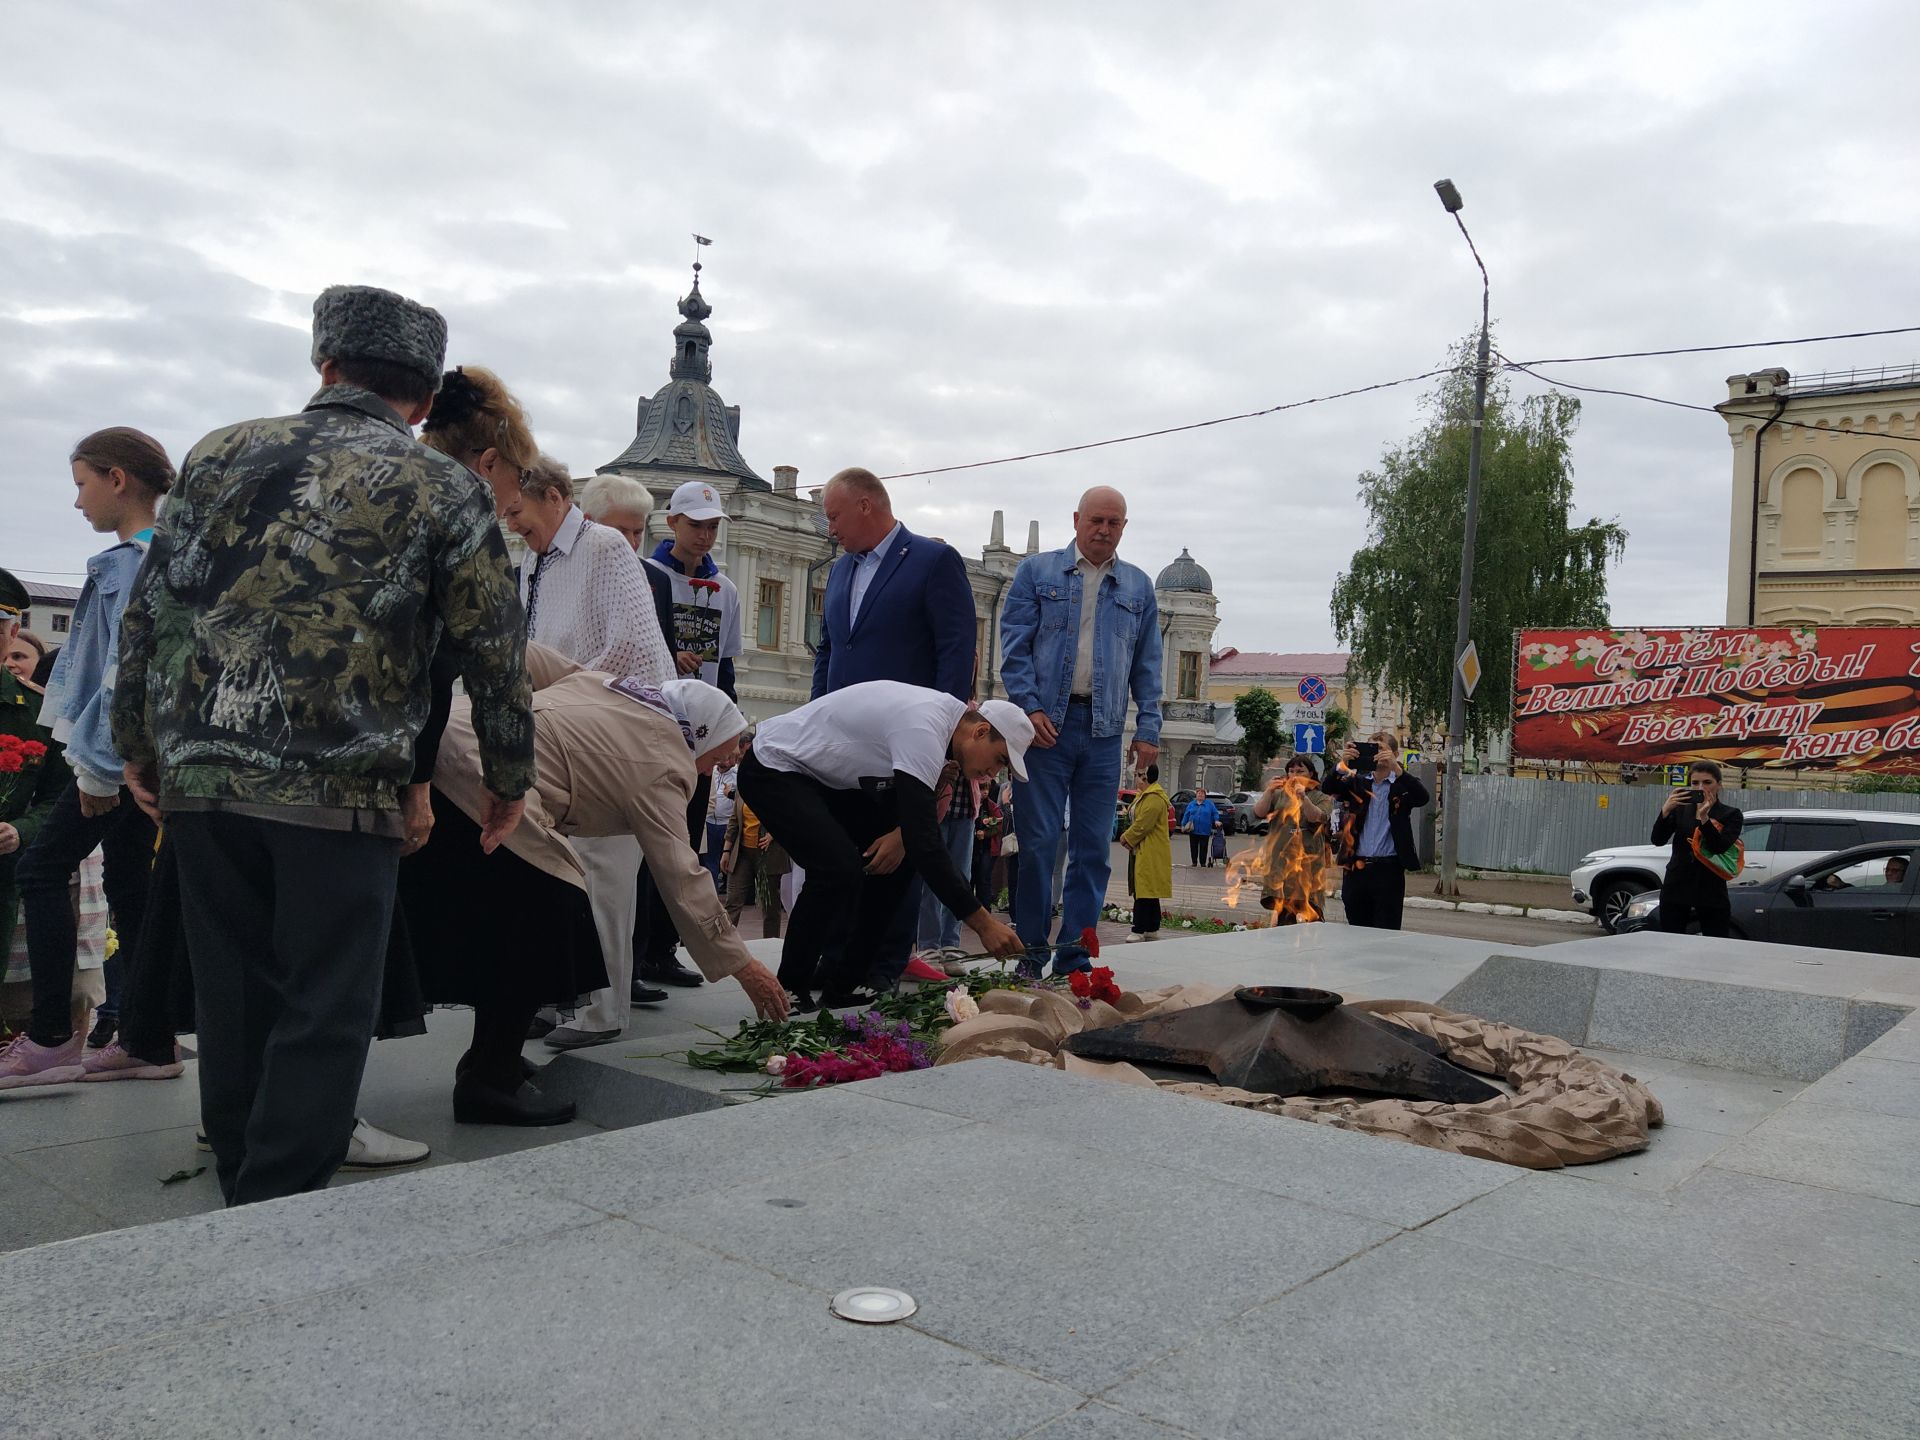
24,1063
112,1062
918,969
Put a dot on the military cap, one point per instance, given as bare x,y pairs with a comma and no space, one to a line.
360,322
14,600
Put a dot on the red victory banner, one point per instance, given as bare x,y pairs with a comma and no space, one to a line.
1835,697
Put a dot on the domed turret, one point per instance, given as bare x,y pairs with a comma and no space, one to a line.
1185,573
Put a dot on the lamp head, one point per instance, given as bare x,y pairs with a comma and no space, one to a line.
1449,196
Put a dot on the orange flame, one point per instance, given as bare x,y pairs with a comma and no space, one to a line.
1282,864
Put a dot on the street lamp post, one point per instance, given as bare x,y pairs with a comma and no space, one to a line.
1457,709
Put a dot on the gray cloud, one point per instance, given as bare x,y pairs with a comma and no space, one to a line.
946,234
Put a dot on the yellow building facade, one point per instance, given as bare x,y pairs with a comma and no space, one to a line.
1826,498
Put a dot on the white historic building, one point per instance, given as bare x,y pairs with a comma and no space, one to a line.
774,548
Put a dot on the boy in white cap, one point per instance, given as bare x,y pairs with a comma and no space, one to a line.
706,606
846,784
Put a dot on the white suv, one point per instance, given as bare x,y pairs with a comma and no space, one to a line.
1776,841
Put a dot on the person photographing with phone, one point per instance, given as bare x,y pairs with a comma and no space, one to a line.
1376,846
1705,836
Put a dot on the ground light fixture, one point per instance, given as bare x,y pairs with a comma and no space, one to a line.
873,1305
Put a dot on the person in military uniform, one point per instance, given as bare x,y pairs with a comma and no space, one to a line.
28,793
273,681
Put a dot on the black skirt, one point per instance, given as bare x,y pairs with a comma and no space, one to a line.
492,929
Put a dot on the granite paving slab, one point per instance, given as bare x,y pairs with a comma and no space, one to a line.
1673,1155
1860,1151
122,1177
1072,1264
1900,1043
1421,1336
1699,1097
1402,1184
1733,1027
629,1172
61,1114
245,1261
1094,1421
33,1212
1530,991
1883,1087
607,1331
1844,1265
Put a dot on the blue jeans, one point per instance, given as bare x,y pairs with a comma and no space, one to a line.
1085,771
939,926
716,838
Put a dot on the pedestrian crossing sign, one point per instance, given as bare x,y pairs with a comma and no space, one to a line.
1309,739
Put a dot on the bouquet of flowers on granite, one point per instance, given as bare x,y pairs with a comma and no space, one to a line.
875,1046
1094,984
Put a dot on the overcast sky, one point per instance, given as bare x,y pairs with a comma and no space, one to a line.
945,233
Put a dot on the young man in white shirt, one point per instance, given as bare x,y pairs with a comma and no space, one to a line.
846,784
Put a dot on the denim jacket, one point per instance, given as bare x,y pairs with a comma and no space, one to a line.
1040,626
79,704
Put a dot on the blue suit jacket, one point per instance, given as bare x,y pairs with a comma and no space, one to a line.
916,622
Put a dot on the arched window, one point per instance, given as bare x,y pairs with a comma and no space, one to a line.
1802,521
1882,543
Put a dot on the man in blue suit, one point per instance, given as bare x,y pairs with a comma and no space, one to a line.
898,604
898,607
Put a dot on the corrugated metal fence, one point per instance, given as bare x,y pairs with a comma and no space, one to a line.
1524,824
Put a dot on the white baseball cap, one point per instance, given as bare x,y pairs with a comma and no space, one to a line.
697,500
1013,726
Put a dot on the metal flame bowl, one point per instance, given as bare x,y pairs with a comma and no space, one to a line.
1300,1000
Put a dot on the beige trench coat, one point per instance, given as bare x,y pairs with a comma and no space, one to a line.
606,765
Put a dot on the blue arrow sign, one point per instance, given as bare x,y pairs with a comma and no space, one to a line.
1310,739
1313,690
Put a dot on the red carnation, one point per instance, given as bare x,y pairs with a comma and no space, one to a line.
10,762
712,585
1090,942
11,742
1082,984
33,750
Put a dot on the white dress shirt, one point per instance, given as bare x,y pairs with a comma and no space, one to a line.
865,567
1092,577
865,731
591,603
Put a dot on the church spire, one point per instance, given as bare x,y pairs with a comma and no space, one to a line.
691,339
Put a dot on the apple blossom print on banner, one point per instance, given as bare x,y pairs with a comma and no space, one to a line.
1834,697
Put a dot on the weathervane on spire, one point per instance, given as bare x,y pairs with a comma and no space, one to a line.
698,241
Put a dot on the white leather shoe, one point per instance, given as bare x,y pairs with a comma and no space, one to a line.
372,1148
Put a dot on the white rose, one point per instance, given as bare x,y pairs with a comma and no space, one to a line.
776,1064
961,1006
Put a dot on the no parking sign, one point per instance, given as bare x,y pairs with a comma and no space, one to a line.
1313,690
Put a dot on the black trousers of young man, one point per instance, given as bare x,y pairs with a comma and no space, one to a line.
43,876
655,937
842,916
287,928
1374,892
1686,899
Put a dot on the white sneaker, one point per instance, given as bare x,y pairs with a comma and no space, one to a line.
1133,935
372,1148
1151,935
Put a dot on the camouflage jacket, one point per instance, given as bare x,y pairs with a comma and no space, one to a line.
276,646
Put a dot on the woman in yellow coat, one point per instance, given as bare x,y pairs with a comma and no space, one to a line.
1149,858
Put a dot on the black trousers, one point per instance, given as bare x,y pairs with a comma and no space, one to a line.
655,937
1197,851
43,874
1146,915
843,914
1373,893
287,927
1702,900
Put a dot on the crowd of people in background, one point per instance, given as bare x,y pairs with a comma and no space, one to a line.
336,761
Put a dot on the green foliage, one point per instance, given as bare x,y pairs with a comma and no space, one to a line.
1259,715
1885,785
1339,729
1394,608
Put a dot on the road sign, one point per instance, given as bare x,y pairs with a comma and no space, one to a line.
1309,739
1412,757
1469,667
1676,774
1313,690
1306,715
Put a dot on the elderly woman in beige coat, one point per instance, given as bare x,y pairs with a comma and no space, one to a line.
510,929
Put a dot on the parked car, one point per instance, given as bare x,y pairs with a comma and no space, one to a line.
1176,803
1860,899
1777,841
1236,814
1122,805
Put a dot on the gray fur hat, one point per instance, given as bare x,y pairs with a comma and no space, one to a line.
361,322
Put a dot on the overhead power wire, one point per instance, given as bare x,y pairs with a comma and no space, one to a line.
1711,349
1172,429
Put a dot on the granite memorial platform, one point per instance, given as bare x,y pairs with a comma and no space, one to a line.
1088,1259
